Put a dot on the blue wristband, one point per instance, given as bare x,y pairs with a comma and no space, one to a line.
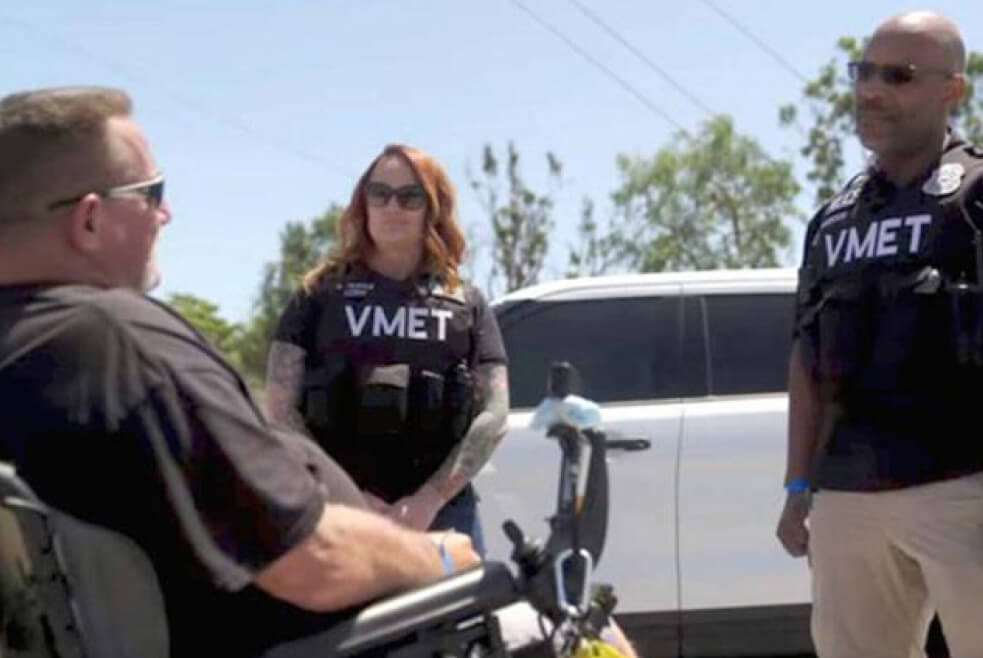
797,485
446,560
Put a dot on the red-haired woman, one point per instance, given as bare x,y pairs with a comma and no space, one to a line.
392,362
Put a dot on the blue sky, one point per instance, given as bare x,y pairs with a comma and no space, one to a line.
260,115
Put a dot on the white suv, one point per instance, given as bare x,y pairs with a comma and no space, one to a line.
693,365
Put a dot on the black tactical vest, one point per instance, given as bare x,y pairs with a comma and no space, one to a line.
892,320
388,386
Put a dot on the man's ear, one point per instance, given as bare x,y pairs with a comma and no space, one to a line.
85,223
958,86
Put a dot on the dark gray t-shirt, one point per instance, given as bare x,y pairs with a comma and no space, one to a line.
117,412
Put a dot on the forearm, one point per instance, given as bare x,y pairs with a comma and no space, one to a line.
284,379
484,434
352,557
804,414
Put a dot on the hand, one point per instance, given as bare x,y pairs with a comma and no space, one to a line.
458,546
792,531
418,510
376,504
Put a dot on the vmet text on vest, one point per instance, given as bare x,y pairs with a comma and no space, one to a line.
881,239
406,321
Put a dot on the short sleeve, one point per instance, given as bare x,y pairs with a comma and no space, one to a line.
241,497
804,273
488,344
295,324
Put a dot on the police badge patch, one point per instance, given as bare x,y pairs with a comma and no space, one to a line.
356,289
945,180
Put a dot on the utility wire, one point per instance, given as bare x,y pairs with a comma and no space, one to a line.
624,84
678,86
775,55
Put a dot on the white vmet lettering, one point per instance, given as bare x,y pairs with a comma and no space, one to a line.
833,251
417,325
857,249
442,317
916,222
886,245
355,326
383,327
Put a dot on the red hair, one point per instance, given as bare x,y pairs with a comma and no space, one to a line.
443,240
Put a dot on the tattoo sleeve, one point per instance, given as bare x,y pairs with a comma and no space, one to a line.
284,378
483,436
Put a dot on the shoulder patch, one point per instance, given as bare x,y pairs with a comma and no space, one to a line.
848,196
945,180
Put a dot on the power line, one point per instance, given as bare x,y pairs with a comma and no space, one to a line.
784,63
610,30
638,53
188,102
624,84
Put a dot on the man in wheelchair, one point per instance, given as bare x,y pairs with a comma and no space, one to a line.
154,463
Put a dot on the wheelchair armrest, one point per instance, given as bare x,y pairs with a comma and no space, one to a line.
455,598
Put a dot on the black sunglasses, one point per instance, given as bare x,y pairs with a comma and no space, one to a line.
890,74
409,197
152,190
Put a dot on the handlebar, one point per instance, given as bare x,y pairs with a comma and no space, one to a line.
407,622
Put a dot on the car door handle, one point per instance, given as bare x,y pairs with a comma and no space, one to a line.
628,445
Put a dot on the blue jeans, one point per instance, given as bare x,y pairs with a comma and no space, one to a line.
461,514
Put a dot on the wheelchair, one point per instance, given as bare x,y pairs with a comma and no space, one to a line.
75,590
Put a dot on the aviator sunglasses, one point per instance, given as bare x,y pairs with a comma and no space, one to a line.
891,74
409,197
152,190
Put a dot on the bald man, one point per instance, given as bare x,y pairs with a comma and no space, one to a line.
884,453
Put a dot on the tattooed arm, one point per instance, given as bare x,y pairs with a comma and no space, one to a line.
483,436
284,379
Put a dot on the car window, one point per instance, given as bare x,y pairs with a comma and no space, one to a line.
624,348
749,342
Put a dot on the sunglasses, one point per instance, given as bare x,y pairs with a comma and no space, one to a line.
409,197
152,190
890,74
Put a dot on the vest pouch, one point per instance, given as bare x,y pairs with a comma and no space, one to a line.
912,342
460,401
427,403
383,393
966,326
327,396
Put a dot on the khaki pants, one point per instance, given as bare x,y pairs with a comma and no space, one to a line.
881,562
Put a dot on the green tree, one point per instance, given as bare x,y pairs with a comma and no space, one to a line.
824,116
302,246
203,315
711,200
520,218
596,251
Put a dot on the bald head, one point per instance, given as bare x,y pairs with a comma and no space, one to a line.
937,31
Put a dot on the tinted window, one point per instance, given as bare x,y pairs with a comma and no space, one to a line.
749,342
624,349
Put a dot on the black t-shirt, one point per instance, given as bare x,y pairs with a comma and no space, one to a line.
118,413
365,319
298,324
